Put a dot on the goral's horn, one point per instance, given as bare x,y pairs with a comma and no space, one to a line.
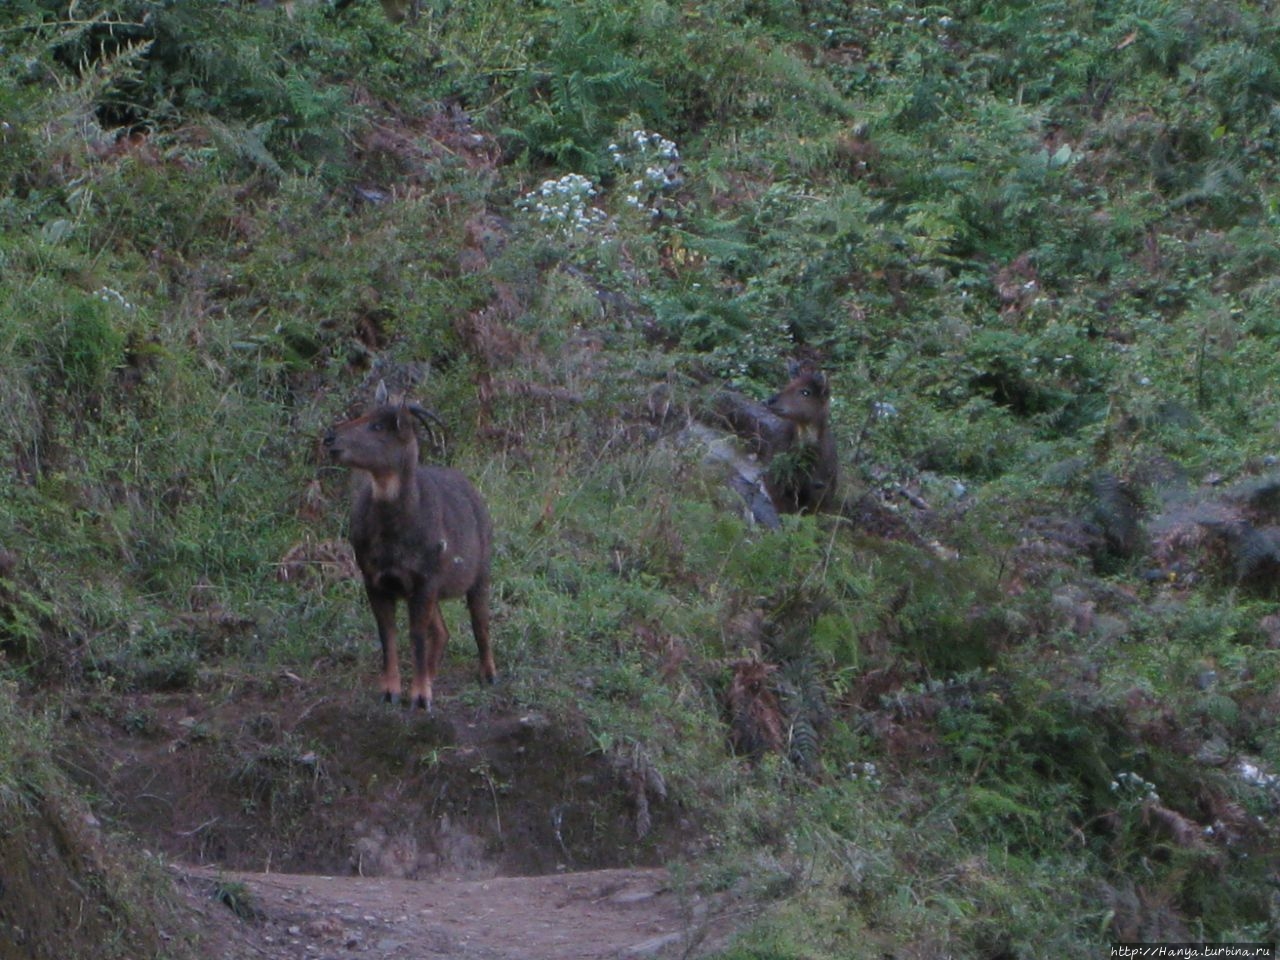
425,415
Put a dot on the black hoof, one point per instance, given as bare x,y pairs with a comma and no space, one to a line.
391,698
422,703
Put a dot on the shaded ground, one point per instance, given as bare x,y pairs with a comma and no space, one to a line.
284,777
623,913
309,821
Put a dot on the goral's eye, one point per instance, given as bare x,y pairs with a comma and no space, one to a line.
804,393
376,425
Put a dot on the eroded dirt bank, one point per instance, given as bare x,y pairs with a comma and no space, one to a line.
284,778
594,915
309,822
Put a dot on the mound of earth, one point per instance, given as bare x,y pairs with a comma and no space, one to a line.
310,822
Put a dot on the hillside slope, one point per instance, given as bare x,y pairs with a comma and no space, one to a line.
1015,698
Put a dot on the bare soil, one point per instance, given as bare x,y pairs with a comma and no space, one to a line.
594,915
316,822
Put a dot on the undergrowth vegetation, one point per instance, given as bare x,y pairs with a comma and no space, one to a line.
1019,701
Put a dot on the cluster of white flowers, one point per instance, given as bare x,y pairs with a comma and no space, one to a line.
564,204
1132,785
866,771
655,161
646,145
945,22
113,297
1057,362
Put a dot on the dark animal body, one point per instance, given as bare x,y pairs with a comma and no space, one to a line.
421,534
804,468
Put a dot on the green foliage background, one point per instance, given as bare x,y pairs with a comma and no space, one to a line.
1035,245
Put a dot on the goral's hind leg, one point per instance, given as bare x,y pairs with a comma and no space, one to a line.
478,605
384,614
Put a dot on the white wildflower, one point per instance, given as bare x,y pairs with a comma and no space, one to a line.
883,410
654,164
113,297
564,204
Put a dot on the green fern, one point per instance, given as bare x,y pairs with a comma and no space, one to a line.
804,701
1241,79
588,79
791,467
246,144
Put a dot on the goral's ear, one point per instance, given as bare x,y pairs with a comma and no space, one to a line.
380,395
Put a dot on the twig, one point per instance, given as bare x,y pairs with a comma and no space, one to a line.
192,833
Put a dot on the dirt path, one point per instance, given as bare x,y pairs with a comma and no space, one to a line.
483,833
624,914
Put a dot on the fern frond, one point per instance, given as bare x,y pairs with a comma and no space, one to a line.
804,746
246,144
